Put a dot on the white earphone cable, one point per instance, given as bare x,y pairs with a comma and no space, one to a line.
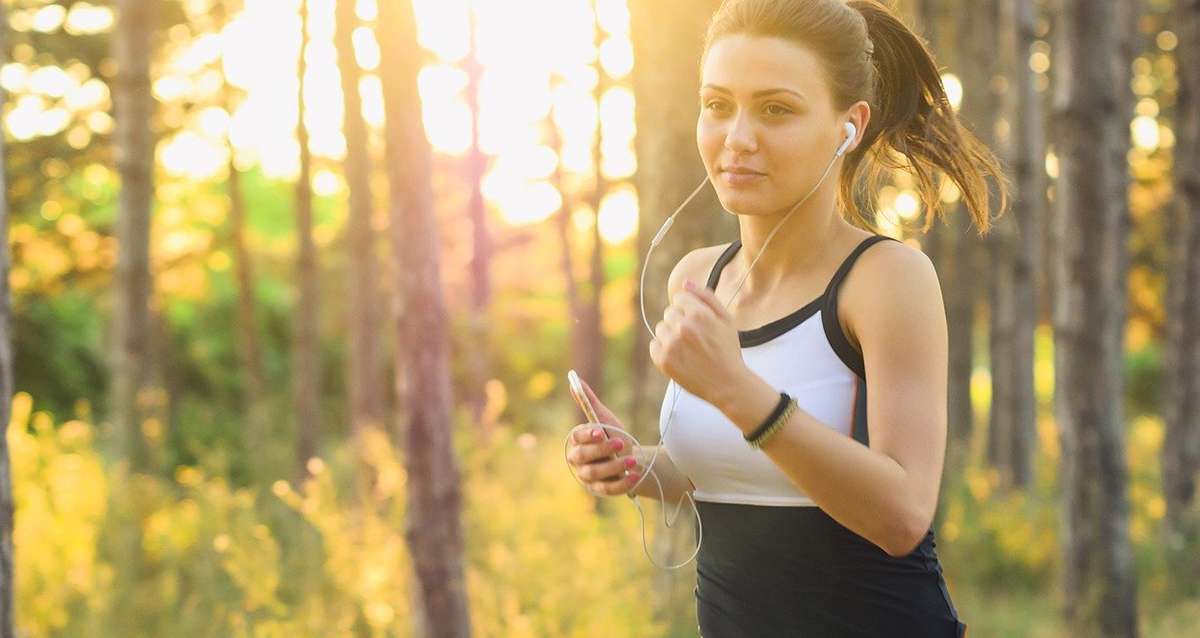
851,131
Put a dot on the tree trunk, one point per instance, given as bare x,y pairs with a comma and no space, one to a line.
433,529
592,342
7,574
365,368
668,36
1181,448
950,248
306,363
133,144
482,250
134,148
1100,586
1019,237
254,394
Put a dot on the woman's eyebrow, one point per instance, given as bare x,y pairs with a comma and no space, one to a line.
761,93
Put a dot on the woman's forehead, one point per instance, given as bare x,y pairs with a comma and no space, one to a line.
746,64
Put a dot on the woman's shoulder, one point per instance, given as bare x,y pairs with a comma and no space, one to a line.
695,265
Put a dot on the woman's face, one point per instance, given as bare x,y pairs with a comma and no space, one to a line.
767,127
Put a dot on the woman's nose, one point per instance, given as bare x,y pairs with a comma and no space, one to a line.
740,138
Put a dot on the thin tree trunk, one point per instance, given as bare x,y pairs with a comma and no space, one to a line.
667,38
592,324
481,257
255,392
1100,586
1181,448
1020,236
134,148
7,619
944,243
433,529
575,311
306,363
133,145
365,368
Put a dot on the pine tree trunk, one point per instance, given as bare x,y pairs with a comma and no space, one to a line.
593,343
134,148
7,619
365,368
306,361
1100,586
1019,236
948,247
482,249
133,145
1181,447
668,36
254,395
433,529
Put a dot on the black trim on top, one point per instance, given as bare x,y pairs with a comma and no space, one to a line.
829,318
768,331
764,333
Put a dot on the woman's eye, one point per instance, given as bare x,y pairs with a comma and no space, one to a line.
779,109
714,105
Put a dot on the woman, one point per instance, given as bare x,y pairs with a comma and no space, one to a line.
829,355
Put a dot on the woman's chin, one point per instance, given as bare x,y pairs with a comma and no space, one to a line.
742,203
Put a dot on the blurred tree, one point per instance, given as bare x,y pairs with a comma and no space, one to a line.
434,499
482,248
1181,449
131,357
952,250
254,391
591,322
668,38
6,382
306,380
1016,247
1100,584
365,378
134,148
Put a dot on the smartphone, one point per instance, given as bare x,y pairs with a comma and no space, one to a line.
581,398
584,404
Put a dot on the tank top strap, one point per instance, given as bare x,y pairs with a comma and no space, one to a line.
722,260
833,328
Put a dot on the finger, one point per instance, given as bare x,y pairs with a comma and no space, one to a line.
604,450
606,470
673,314
616,486
707,297
585,432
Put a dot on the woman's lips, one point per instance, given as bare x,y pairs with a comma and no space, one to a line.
740,178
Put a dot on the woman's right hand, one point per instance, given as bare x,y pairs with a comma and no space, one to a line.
599,463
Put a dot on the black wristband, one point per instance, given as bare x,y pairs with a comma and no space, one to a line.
779,408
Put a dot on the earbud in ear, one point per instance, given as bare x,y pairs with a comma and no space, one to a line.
851,132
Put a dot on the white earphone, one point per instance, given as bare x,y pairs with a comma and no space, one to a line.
851,132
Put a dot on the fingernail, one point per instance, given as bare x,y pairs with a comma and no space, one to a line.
689,285
618,444
630,462
633,477
595,434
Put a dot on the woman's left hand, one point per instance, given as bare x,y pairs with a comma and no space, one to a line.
696,345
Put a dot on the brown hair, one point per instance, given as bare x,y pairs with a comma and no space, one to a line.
869,54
